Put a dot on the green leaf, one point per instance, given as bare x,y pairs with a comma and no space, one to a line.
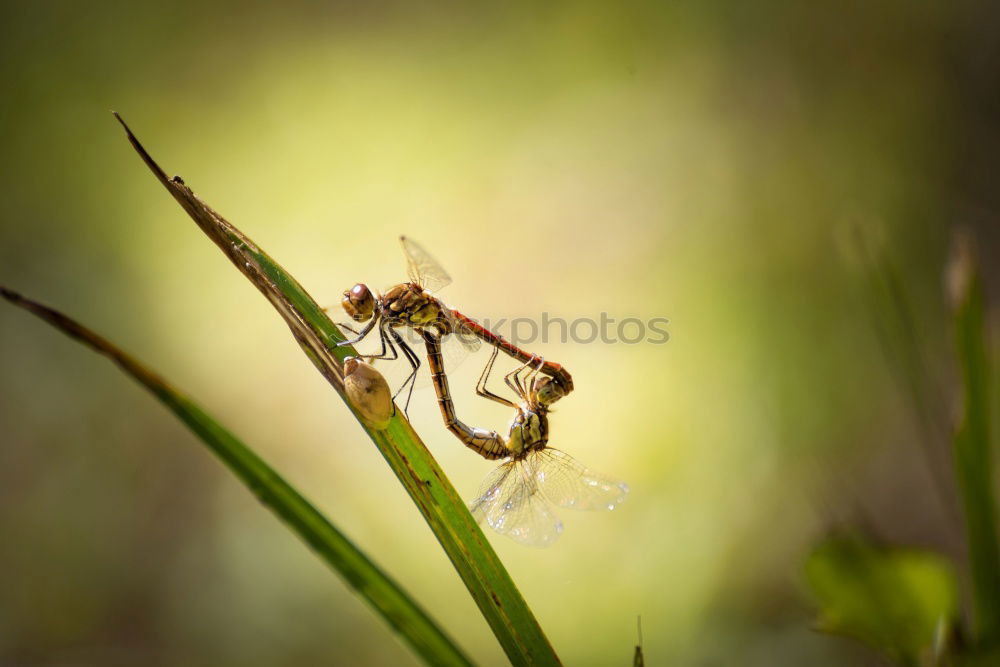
361,574
973,459
895,600
443,509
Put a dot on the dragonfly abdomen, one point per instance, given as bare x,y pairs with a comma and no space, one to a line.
488,444
550,368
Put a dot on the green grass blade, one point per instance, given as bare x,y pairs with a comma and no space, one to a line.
477,564
381,592
972,440
900,337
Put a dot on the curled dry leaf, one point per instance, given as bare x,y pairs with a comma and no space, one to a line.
368,392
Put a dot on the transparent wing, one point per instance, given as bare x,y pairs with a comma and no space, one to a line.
566,482
510,504
422,268
461,333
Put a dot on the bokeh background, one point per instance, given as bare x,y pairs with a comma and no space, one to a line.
732,167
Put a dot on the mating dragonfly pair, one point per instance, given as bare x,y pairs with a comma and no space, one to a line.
516,499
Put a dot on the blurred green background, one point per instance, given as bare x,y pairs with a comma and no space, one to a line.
712,164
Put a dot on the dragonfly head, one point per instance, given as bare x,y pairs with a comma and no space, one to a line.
546,391
359,303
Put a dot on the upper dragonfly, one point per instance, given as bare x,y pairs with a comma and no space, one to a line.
412,304
516,498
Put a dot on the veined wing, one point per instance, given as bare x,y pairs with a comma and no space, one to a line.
461,332
566,482
422,268
510,504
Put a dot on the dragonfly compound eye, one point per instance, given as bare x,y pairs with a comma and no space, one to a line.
548,391
359,303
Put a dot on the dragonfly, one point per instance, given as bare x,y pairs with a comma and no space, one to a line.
413,304
517,498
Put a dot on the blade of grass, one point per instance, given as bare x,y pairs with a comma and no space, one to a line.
477,564
973,463
899,334
381,592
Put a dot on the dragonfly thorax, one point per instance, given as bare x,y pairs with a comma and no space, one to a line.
529,430
410,305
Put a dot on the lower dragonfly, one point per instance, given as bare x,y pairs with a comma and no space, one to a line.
516,499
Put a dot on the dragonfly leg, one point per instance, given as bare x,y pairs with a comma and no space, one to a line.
513,380
361,335
388,351
532,377
481,389
414,360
